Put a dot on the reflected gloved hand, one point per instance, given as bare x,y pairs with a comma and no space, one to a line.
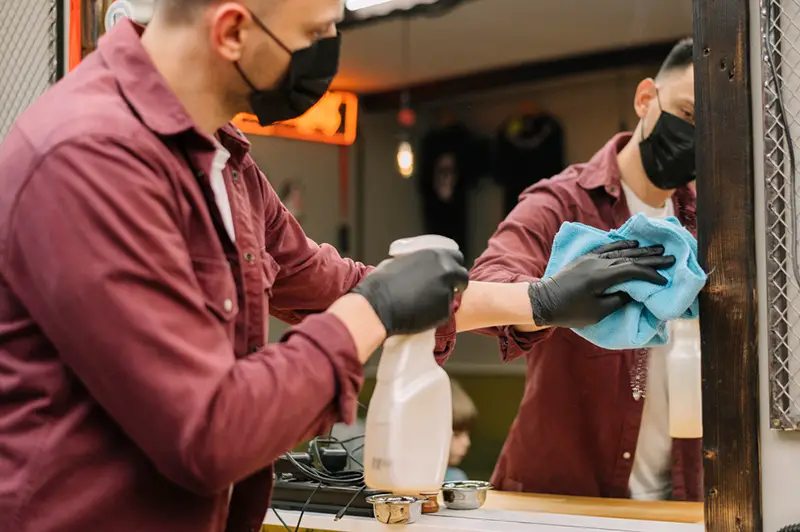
575,297
413,293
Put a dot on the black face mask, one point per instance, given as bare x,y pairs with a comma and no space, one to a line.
310,73
668,153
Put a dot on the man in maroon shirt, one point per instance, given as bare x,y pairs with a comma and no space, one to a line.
587,424
141,251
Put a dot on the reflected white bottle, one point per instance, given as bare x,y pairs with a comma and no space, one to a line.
410,417
685,381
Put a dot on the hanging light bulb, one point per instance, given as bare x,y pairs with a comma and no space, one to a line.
405,158
406,116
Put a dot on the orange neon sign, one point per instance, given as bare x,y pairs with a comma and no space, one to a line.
75,38
331,121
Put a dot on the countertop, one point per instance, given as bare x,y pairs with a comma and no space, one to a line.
513,512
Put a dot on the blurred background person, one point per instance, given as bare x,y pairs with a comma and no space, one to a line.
464,416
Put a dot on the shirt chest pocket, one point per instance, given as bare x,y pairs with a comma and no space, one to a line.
218,288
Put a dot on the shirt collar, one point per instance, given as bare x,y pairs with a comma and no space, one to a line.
234,140
141,84
602,171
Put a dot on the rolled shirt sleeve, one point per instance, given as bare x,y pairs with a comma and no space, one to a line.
312,276
518,252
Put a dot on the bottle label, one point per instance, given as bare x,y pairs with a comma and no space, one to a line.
379,464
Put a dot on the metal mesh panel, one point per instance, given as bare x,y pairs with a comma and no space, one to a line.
780,31
28,55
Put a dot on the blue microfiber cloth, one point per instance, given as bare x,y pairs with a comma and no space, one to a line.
643,322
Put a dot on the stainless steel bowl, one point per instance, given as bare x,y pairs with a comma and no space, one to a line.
465,494
396,509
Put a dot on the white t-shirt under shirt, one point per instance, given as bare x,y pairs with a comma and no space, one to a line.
651,478
218,187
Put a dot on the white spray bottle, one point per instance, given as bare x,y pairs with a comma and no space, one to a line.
685,380
410,418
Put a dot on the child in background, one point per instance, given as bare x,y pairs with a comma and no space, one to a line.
464,415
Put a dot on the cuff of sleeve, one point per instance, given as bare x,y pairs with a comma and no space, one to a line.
515,344
446,334
334,340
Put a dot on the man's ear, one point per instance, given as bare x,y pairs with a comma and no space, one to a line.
228,24
645,92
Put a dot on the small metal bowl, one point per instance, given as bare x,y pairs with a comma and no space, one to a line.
465,494
395,509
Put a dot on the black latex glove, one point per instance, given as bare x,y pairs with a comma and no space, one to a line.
575,297
413,293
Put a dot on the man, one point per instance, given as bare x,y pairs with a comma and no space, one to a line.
594,422
141,251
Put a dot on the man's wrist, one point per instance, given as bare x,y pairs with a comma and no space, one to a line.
539,311
360,319
374,297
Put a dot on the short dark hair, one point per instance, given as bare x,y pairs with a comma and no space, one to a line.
681,56
177,11
181,10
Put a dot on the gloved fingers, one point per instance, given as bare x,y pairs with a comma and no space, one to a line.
615,246
631,271
459,279
454,254
659,263
611,303
455,272
649,251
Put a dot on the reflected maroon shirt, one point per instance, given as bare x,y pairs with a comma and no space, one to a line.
578,423
136,382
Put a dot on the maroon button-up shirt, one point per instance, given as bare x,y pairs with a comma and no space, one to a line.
135,381
578,424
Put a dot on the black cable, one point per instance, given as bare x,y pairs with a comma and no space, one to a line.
303,511
341,443
355,449
325,477
281,520
341,512
771,53
339,478
352,439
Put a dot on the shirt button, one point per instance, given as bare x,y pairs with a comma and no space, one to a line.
250,258
612,189
626,455
227,305
235,176
254,349
200,174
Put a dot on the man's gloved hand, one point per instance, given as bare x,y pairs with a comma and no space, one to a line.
575,297
413,293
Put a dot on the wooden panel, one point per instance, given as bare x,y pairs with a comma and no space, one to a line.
726,233
675,512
